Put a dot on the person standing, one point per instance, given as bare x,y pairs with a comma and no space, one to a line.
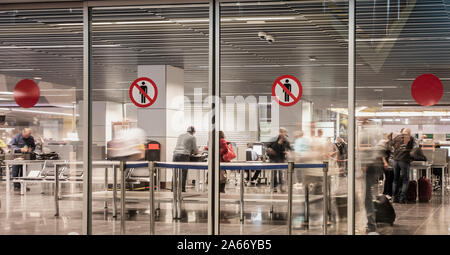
388,163
186,146
341,156
403,144
21,143
277,150
226,155
251,155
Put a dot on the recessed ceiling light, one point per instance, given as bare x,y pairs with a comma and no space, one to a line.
37,78
312,58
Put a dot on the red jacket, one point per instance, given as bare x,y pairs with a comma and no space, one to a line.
223,149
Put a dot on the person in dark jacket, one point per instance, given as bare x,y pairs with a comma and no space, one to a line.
21,143
403,144
387,164
277,151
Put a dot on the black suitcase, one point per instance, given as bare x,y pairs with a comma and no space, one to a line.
384,210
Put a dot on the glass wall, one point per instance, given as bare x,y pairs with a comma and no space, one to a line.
283,89
150,84
401,103
40,90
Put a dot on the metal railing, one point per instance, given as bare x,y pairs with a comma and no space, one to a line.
176,190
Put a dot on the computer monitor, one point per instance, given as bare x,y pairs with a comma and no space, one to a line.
258,148
448,149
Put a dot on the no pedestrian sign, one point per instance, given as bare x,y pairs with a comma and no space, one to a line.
143,92
287,90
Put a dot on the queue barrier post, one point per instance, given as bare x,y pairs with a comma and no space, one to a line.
114,191
290,171
241,197
105,205
55,167
122,198
325,198
151,167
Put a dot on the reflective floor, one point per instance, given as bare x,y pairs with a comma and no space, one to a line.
33,213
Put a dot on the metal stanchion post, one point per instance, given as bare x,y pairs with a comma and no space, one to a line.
325,198
151,167
8,179
56,190
241,191
175,193
114,191
306,222
23,186
443,187
106,187
290,172
158,183
122,198
271,188
179,189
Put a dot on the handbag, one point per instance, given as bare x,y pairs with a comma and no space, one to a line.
417,154
227,157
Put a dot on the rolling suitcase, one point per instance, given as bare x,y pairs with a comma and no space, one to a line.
384,211
424,189
411,194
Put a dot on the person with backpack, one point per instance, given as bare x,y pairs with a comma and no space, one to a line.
403,145
277,150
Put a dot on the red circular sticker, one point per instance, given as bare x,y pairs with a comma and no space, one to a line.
141,93
26,93
427,89
287,90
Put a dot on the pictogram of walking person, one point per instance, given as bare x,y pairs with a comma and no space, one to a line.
288,87
144,88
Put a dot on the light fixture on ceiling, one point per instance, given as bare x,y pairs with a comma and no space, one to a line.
312,58
270,39
37,78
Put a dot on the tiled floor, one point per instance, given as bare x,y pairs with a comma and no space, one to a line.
33,213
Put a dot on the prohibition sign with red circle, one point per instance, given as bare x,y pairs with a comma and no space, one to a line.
289,94
145,94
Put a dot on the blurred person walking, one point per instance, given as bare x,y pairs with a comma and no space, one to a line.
302,147
370,155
